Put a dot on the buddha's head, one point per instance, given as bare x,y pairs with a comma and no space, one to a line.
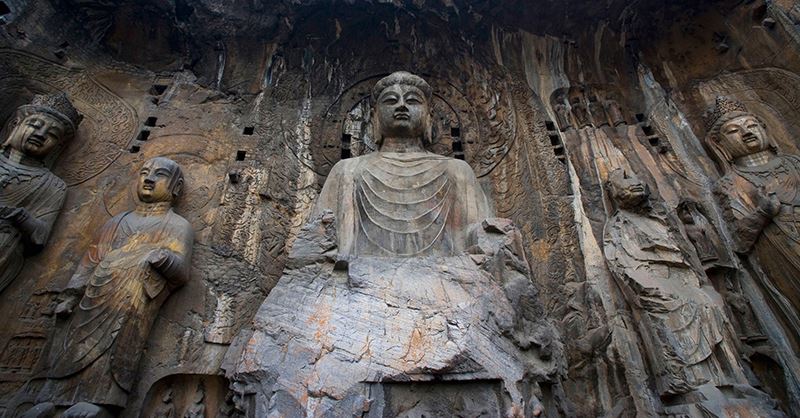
733,132
626,190
402,108
42,126
160,180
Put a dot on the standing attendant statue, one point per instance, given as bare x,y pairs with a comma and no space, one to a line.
684,329
112,300
760,196
30,195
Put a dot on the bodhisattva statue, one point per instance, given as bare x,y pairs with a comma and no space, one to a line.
30,195
138,258
760,196
681,321
401,275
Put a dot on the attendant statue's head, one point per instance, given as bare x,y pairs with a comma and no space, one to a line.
160,180
733,132
402,113
627,191
40,127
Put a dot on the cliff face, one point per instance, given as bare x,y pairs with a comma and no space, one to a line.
257,100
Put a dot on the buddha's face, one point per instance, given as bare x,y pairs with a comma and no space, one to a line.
630,192
156,181
742,136
37,135
402,111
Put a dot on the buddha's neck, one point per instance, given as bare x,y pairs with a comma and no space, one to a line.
18,157
755,160
401,145
150,209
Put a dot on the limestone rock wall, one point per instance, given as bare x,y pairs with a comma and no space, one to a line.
258,100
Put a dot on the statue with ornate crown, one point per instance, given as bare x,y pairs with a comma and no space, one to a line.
31,196
401,286
760,196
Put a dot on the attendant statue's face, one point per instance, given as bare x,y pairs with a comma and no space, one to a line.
628,191
742,136
160,180
402,111
37,135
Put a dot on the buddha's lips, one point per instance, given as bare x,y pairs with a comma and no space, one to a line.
750,138
35,141
401,116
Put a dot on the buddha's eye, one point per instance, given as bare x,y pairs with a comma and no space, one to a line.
389,100
413,100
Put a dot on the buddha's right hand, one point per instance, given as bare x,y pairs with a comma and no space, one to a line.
66,306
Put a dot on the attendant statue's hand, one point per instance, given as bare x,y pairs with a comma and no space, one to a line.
159,258
768,204
66,306
15,215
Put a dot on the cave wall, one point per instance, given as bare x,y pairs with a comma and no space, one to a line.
257,101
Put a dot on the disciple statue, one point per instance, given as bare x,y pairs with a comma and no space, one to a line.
166,409
682,323
597,110
615,112
580,112
138,258
760,196
30,195
197,409
400,275
562,113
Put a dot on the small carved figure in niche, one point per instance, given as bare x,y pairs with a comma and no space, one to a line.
744,320
615,112
598,111
562,113
703,242
683,328
166,409
197,409
760,196
138,258
579,111
30,195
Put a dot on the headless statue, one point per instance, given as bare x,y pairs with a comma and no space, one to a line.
30,195
138,258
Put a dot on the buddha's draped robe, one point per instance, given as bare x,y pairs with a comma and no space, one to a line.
776,245
42,194
95,357
403,204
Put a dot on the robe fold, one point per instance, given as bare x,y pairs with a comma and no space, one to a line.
402,204
95,357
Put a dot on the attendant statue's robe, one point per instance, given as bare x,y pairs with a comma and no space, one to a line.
682,328
95,356
31,186
403,204
775,242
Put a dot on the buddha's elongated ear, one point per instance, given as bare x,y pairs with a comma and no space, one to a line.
377,137
428,128
177,189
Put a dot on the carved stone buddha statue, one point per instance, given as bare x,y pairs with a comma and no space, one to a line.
402,200
138,258
401,275
760,196
30,195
